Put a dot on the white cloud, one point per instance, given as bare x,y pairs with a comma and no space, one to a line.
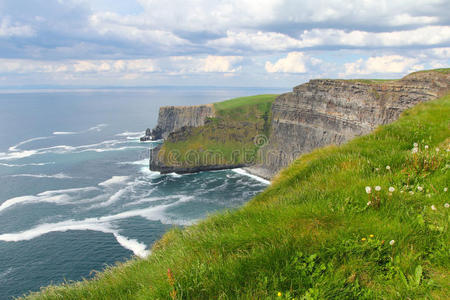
383,65
294,62
209,64
79,66
9,30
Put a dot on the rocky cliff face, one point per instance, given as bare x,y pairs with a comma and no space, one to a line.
173,118
324,112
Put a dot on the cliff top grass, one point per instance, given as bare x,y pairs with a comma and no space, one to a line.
226,139
366,220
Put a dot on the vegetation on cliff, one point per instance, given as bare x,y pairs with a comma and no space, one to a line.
230,138
368,219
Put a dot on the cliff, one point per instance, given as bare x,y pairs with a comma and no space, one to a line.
323,112
173,118
315,114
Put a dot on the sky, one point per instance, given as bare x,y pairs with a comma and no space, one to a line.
254,43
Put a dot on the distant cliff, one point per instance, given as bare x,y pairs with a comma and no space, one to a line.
173,118
315,114
324,112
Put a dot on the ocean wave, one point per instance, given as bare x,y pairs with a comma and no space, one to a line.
131,134
245,173
54,196
142,162
55,176
64,132
27,165
114,181
16,147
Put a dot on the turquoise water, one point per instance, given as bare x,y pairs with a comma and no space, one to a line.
76,193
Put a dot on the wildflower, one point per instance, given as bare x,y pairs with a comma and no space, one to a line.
378,188
377,169
279,294
437,149
391,189
426,146
411,192
433,207
446,205
445,189
392,242
414,150
388,167
416,145
363,239
371,236
419,188
368,189
369,203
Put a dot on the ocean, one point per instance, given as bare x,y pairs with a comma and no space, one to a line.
76,193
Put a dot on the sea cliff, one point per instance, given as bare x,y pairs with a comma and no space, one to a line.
315,114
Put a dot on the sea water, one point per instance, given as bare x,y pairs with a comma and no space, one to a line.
76,193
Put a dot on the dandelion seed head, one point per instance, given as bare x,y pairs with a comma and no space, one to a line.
391,189
426,146
437,149
388,167
446,205
414,150
368,189
378,188
445,189
419,188
392,242
416,145
433,207
369,203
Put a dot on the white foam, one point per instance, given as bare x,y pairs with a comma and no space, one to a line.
245,173
152,174
131,134
112,199
64,132
175,175
98,127
114,181
102,224
142,162
54,196
17,155
56,176
16,147
26,165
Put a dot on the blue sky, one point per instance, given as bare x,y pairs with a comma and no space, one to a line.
278,43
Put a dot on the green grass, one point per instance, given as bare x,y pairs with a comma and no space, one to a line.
442,70
311,234
228,138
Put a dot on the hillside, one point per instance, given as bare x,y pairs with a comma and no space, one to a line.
226,139
315,233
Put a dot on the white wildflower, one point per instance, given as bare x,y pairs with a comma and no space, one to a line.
391,189
433,207
369,203
392,242
445,189
411,192
437,149
378,188
388,167
419,188
426,146
414,150
368,189
446,205
377,169
416,145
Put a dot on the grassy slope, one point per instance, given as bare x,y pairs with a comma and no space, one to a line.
309,233
236,124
